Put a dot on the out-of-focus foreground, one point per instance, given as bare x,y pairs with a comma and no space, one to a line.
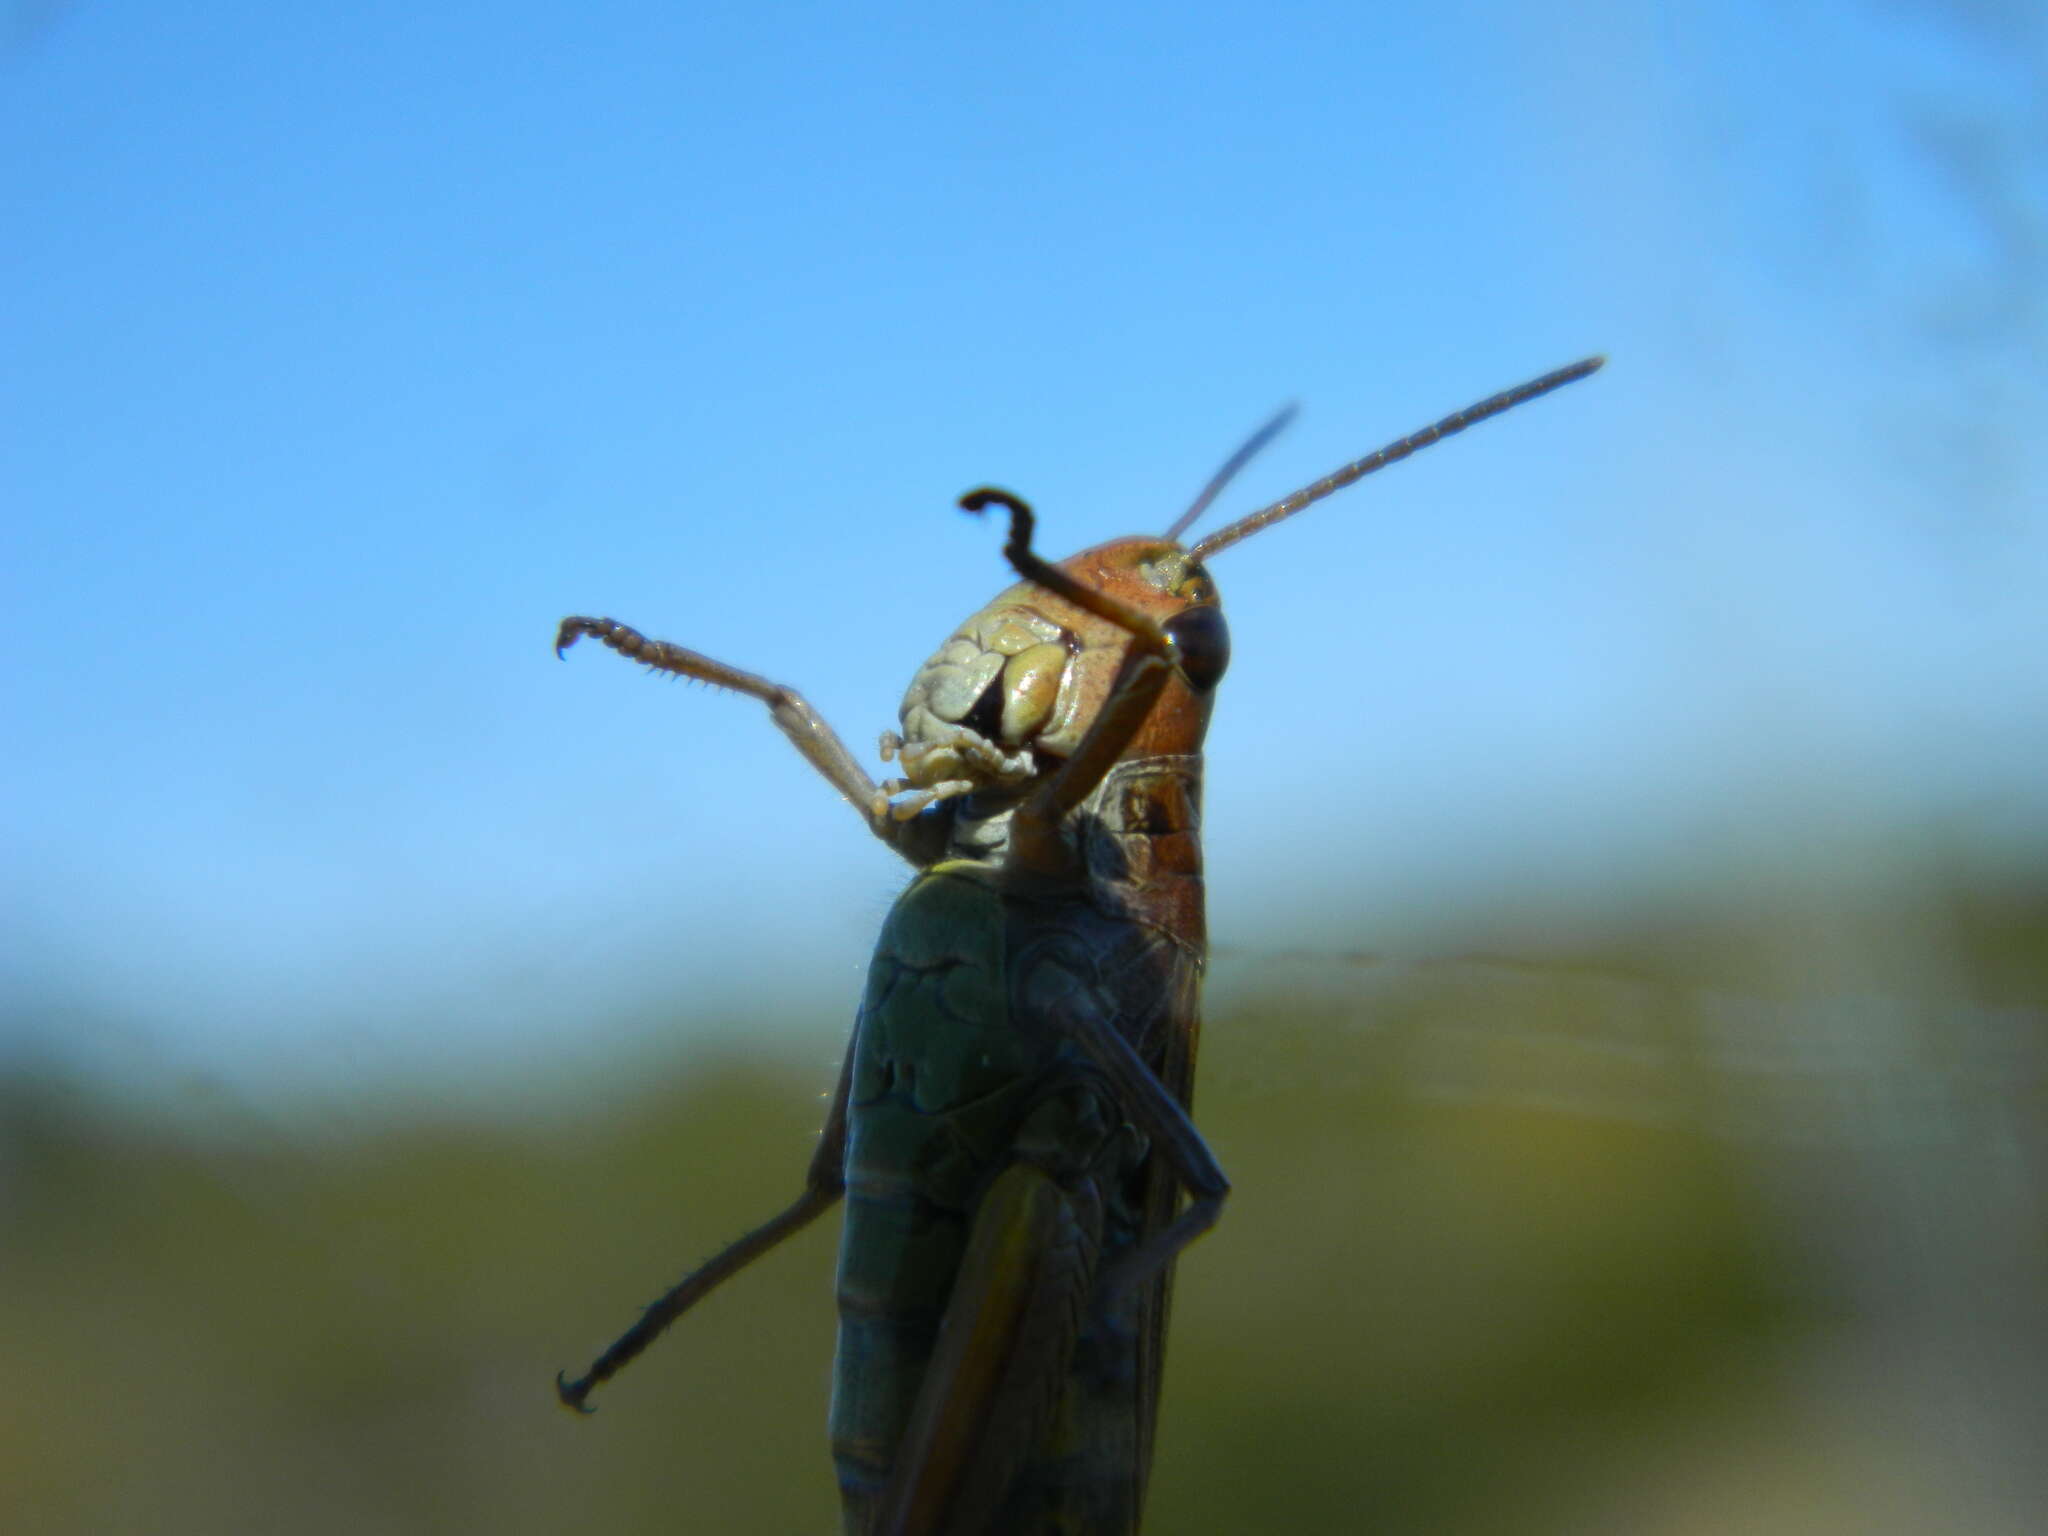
1689,1232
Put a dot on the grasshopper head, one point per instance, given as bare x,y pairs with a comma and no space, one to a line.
1013,693
1008,698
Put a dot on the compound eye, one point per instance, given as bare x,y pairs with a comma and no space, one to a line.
1204,642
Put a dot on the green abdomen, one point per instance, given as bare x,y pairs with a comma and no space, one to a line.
953,1083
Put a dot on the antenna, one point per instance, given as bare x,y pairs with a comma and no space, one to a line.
1393,453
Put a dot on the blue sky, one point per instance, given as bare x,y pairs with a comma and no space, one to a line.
349,347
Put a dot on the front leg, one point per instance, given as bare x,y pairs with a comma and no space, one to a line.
790,710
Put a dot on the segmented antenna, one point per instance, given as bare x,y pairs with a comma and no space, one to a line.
1393,453
1228,472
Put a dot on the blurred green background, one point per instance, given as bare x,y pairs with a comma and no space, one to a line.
1627,825
1671,1234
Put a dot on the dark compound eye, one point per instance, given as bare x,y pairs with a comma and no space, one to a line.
1204,642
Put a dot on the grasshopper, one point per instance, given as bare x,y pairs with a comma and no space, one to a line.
1011,1130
